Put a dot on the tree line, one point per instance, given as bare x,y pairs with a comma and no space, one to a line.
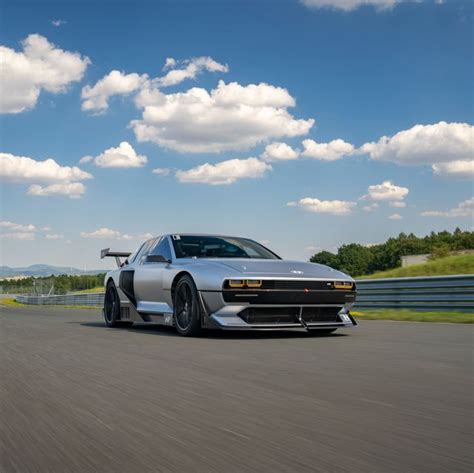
61,284
358,260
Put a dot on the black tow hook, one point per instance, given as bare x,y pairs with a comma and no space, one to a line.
301,321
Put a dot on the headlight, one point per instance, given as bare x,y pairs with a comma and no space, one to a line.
235,283
244,283
346,285
254,283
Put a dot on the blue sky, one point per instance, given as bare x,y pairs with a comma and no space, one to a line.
400,70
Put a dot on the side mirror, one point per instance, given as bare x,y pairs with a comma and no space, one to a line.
157,259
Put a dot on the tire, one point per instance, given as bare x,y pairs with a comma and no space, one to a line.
321,332
112,308
187,310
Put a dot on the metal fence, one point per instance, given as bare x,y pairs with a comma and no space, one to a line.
433,293
96,299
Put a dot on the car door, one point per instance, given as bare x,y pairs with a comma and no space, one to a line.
148,280
127,274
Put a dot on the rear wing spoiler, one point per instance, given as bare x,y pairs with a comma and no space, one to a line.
116,254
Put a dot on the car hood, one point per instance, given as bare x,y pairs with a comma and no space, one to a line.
278,268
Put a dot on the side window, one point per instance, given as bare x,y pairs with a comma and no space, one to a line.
145,249
133,257
162,249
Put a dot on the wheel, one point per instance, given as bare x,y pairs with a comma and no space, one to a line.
187,312
321,331
112,308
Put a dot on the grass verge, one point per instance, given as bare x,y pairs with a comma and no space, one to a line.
414,316
93,290
14,303
11,302
458,264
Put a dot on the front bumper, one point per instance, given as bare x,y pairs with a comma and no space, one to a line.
245,316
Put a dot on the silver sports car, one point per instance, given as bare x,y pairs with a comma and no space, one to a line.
193,281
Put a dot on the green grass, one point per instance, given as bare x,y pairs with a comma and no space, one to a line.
89,307
14,303
414,316
11,303
93,290
458,264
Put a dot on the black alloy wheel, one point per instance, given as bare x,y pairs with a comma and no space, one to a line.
112,308
187,312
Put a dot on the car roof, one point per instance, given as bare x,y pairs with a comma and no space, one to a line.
205,235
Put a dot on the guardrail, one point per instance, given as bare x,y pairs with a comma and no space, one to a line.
96,299
434,293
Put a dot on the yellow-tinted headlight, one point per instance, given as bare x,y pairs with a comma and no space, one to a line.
236,283
347,285
254,283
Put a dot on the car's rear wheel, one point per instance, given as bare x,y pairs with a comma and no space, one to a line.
112,307
187,311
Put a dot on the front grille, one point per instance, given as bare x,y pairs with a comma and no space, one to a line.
288,315
294,285
270,315
253,296
320,314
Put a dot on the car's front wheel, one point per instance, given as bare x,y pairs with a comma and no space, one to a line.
187,311
112,307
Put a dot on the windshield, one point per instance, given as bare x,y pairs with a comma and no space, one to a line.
195,246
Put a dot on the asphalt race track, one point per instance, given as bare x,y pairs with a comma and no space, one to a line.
384,397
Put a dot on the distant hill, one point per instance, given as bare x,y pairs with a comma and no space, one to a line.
40,270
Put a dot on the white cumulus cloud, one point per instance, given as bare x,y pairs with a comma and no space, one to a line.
170,63
58,22
398,204
230,117
102,232
395,217
116,83
24,169
21,231
95,98
86,159
334,207
370,207
335,149
110,234
279,152
349,5
464,209
73,190
225,172
459,169
18,227
123,156
40,66
253,95
449,147
191,68
387,191
161,171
